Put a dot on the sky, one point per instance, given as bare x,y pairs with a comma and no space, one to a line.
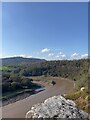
45,30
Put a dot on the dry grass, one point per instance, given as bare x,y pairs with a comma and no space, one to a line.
81,98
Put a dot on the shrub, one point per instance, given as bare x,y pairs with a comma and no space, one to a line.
26,82
15,78
5,86
15,86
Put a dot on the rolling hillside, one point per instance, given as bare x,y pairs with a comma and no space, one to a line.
19,60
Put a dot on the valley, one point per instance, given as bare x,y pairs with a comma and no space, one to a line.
28,83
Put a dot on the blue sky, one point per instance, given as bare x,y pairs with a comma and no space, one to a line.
45,30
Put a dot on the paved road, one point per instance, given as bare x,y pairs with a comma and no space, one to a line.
19,108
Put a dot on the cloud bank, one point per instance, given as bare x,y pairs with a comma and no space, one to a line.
52,54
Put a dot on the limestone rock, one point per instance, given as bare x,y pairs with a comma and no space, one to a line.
57,107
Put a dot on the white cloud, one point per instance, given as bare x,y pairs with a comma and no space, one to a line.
60,53
79,56
8,56
84,56
22,55
50,54
29,56
63,56
45,50
75,55
57,56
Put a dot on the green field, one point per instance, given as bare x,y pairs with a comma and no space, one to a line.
5,68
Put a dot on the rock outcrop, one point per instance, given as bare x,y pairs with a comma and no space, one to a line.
57,107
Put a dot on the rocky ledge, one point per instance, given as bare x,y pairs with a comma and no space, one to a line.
57,107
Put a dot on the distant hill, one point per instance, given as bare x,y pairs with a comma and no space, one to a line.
19,60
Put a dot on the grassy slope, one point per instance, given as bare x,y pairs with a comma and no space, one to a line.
81,98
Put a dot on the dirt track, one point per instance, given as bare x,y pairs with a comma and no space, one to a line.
19,108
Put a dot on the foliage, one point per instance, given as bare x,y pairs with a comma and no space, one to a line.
76,70
14,82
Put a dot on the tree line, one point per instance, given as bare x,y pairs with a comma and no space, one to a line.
15,77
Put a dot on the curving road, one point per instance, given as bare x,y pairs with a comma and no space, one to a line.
19,108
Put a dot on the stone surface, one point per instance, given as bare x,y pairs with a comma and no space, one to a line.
56,107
